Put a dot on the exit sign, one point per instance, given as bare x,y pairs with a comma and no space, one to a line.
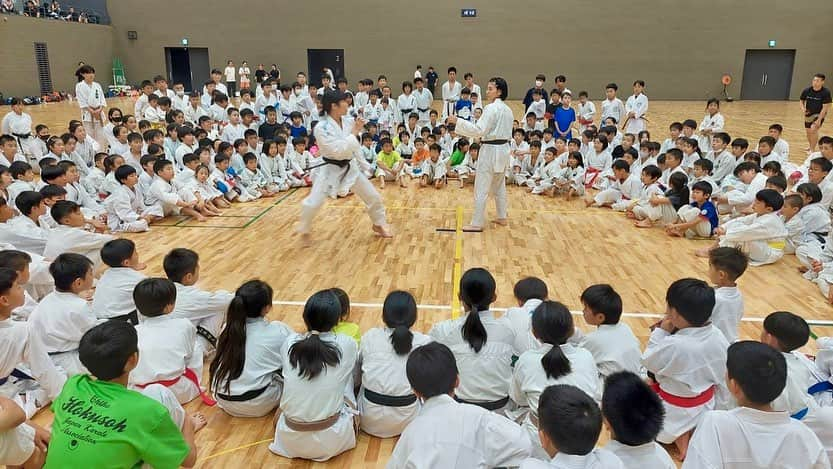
468,12
772,43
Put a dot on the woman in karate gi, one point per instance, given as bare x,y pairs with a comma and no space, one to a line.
92,102
337,145
494,128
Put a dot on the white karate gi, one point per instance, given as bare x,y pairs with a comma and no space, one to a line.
59,321
816,220
544,179
124,208
310,400
274,170
571,178
597,459
613,108
113,295
761,237
154,115
529,380
336,141
449,434
648,456
263,101
193,114
20,343
492,161
620,193
485,375
728,311
162,195
724,164
424,99
261,370
406,103
64,238
639,106
383,372
687,364
24,234
742,199
15,188
450,94
749,438
520,321
714,123
89,96
586,111
89,206
203,308
93,182
614,348
436,170
166,349
21,124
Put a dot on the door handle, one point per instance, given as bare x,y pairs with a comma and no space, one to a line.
762,80
766,78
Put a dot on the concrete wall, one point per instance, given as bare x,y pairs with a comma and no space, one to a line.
67,44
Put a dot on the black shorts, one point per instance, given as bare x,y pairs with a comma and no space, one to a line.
807,125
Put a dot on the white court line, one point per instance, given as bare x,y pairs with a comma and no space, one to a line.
812,322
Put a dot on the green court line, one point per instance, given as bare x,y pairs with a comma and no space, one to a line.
257,217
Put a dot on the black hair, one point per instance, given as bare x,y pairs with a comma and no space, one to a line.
123,172
603,140
779,181
794,200
693,299
675,152
246,158
740,143
652,170
68,267
19,168
530,288
759,370
705,164
730,260
603,299
790,330
399,312
771,199
152,295
311,355
679,182
746,166
26,201
116,251
777,127
823,163
723,136
768,140
552,323
810,190
620,164
343,301
633,410
7,279
52,190
105,349
180,262
502,86
160,164
703,187
15,260
249,301
432,370
775,167
62,209
570,418
477,291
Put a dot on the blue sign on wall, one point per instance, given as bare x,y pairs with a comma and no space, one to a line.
468,12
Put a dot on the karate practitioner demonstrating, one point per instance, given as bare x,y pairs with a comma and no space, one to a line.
494,128
336,136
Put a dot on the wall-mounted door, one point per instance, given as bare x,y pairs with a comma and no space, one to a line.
767,74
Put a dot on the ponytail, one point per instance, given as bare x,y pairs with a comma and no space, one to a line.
311,355
477,291
250,301
552,324
399,313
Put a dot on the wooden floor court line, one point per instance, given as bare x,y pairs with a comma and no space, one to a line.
589,211
231,450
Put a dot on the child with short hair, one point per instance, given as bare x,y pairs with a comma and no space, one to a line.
23,177
795,227
529,293
113,296
702,172
31,274
126,209
205,309
556,361
782,147
663,209
164,199
542,181
726,265
788,332
253,179
71,234
25,231
143,431
624,188
761,234
94,182
571,423
446,432
739,199
633,413
390,165
754,434
570,180
167,343
63,316
612,344
686,358
698,219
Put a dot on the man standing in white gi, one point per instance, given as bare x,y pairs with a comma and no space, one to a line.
338,144
494,128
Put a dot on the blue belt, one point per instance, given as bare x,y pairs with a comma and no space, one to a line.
820,387
800,414
17,374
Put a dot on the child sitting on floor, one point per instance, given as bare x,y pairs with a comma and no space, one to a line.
113,297
699,218
345,327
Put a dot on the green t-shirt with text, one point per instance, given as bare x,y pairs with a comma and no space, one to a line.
105,425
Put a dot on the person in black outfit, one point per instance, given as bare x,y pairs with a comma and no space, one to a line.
815,102
539,85
431,77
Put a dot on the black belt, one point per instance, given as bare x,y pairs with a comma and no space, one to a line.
15,374
821,236
130,317
494,405
201,331
423,109
501,141
24,136
406,110
58,353
389,401
246,396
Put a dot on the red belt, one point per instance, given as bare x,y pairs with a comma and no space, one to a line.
190,376
686,402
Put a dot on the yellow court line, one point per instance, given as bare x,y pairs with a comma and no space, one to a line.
224,452
458,265
449,209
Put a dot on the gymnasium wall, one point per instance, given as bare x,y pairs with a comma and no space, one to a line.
67,44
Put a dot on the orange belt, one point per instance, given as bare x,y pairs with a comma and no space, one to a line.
685,402
190,376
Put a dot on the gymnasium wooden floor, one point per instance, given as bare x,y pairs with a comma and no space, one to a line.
570,247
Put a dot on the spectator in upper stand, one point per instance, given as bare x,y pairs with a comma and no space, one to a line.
31,10
7,6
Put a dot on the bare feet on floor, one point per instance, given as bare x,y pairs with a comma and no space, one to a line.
199,421
501,221
383,230
646,223
702,252
473,228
